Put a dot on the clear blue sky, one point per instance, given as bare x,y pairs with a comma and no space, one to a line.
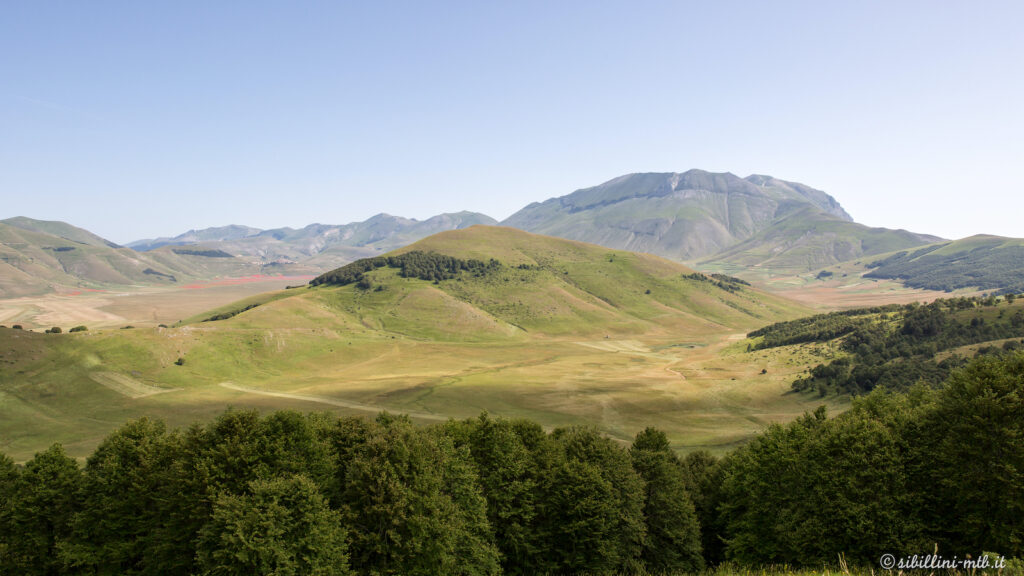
136,119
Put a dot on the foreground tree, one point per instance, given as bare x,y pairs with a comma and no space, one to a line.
975,445
42,504
673,534
508,475
128,497
8,481
704,481
594,506
281,526
414,505
803,492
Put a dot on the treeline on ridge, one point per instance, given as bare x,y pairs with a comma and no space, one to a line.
723,281
209,253
897,346
416,264
230,313
315,494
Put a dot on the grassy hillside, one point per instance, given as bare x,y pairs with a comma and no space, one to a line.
39,257
562,332
981,262
59,229
809,240
33,260
555,286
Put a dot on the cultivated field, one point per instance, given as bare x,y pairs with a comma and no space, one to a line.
137,306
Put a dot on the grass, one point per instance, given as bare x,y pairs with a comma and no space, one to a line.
809,240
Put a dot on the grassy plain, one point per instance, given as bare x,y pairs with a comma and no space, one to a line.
704,389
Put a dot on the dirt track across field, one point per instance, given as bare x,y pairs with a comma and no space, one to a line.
127,385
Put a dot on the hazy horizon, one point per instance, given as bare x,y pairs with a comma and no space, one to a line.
139,121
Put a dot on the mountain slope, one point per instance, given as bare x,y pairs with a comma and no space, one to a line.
680,216
37,257
60,229
982,262
810,239
217,234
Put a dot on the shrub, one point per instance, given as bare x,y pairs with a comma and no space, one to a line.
78,329
230,314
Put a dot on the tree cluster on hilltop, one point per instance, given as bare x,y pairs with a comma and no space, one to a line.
723,281
315,494
416,264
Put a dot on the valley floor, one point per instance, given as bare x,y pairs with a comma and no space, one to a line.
705,392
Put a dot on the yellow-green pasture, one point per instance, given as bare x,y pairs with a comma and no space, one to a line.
704,390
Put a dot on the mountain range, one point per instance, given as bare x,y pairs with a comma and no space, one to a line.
710,220
695,215
38,256
344,242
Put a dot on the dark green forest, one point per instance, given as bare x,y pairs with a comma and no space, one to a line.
292,494
897,346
